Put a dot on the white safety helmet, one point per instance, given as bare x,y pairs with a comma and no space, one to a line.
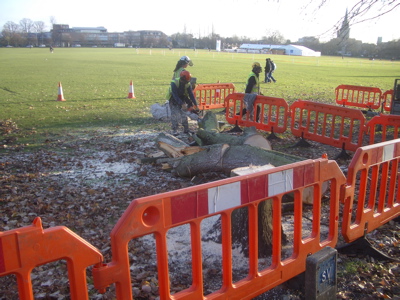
187,60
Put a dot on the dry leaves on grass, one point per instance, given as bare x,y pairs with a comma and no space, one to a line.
86,182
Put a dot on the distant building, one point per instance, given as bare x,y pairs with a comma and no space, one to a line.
89,29
278,49
65,36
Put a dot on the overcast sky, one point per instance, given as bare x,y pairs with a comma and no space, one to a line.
251,18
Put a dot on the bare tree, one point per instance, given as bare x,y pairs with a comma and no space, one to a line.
358,13
362,11
11,27
39,27
11,33
131,38
162,41
273,37
66,39
26,25
53,20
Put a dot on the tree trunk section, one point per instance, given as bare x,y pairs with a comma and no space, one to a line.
224,158
249,137
265,228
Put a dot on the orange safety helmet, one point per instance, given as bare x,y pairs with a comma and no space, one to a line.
186,75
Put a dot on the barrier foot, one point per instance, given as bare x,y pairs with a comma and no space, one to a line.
236,128
272,136
364,111
362,246
343,154
301,143
369,113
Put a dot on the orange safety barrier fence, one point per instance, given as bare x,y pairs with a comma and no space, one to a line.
268,113
358,96
371,195
212,95
340,127
388,125
156,215
23,249
387,98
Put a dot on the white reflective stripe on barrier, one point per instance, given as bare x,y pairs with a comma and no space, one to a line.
280,182
224,197
388,152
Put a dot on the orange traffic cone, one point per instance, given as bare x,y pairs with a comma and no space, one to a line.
60,93
131,94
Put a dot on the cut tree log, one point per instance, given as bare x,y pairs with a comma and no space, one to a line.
224,158
249,137
250,170
201,162
219,152
209,134
209,122
174,147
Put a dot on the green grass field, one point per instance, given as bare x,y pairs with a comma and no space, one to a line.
96,81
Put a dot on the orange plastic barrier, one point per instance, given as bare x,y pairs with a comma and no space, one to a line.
157,214
23,249
371,195
358,96
340,127
212,95
389,125
269,113
387,100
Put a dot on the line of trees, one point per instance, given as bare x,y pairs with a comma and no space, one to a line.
389,50
356,48
29,32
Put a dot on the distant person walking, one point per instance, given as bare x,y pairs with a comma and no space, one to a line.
267,70
51,49
273,68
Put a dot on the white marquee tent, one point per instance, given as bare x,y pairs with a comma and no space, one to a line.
287,49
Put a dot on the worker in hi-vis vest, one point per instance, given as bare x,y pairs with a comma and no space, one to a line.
181,100
253,81
252,90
